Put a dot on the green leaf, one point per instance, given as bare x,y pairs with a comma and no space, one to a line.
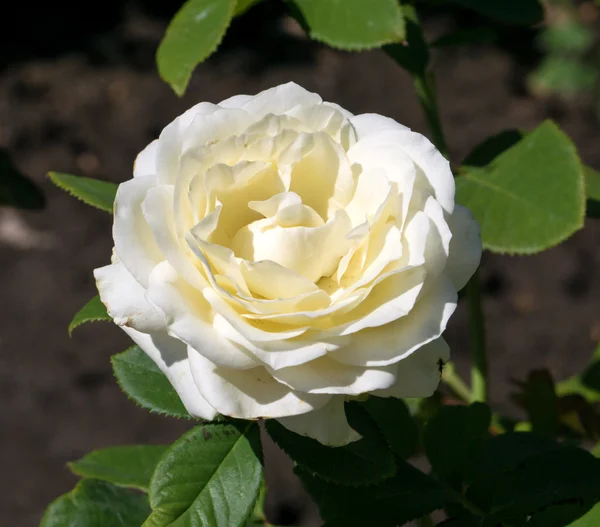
556,476
530,197
539,399
99,194
211,476
398,427
590,519
126,466
520,12
413,53
194,33
143,382
95,503
365,461
93,311
587,384
466,37
408,495
353,24
15,189
244,5
450,436
577,514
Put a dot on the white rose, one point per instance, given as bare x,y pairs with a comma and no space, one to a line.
276,255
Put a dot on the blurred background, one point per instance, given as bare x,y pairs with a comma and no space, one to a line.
79,93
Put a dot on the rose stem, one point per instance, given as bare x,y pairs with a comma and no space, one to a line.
425,88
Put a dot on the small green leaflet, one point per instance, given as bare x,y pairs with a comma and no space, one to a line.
413,53
125,466
194,33
143,382
99,194
93,311
353,24
210,477
530,197
592,185
94,503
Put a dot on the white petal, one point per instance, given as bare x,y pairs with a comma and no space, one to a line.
390,343
189,318
125,299
272,281
158,212
328,425
145,162
324,375
134,241
170,355
237,101
215,126
465,246
419,373
382,136
248,394
280,99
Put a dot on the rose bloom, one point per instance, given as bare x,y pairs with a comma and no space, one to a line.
276,255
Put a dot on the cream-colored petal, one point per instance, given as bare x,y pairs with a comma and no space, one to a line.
145,162
324,375
125,299
158,212
465,246
170,355
271,280
237,101
328,425
311,252
248,394
215,126
418,375
134,240
280,99
390,343
368,124
190,318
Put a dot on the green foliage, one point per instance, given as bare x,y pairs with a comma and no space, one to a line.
93,311
413,53
15,189
193,34
143,382
530,197
125,466
408,495
353,24
396,424
592,183
587,383
521,12
243,5
99,194
365,461
95,503
563,75
210,477
451,435
540,401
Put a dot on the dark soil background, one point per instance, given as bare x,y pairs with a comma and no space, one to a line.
79,93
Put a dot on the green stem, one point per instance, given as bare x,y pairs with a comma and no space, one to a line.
425,88
479,368
451,378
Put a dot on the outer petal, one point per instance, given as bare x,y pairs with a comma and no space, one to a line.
381,133
170,356
125,299
327,425
419,373
145,162
465,246
248,394
134,241
395,341
189,318
324,375
279,100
